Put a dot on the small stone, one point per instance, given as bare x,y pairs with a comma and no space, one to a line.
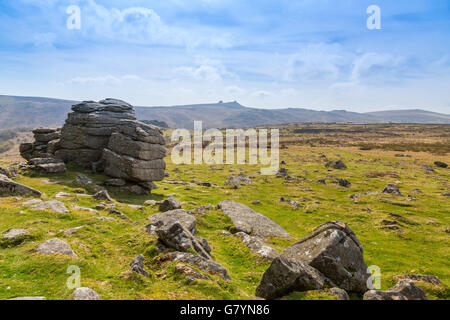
72,231
392,189
441,164
85,294
102,195
169,204
137,265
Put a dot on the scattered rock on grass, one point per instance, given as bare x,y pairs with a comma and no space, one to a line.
55,206
54,246
137,265
293,203
170,217
441,164
337,164
14,234
102,195
9,187
404,290
85,294
416,277
203,264
392,189
169,204
191,274
251,222
257,246
233,182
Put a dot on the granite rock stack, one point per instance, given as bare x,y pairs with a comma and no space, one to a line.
88,128
105,137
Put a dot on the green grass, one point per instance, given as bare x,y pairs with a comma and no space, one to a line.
105,248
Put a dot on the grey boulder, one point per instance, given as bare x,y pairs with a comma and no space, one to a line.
170,217
170,203
55,246
9,187
404,290
84,293
285,276
253,223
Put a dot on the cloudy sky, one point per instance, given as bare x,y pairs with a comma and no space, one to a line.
317,54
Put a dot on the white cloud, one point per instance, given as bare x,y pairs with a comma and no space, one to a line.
207,70
316,61
141,25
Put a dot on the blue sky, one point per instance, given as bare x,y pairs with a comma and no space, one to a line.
317,54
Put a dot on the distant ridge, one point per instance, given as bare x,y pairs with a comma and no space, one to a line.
37,111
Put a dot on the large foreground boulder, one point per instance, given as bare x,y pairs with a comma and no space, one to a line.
88,129
250,222
285,276
9,187
332,250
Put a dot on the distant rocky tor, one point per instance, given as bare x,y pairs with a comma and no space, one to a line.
105,137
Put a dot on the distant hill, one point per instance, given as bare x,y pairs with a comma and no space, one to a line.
34,112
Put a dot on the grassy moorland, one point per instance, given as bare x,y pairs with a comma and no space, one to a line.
372,154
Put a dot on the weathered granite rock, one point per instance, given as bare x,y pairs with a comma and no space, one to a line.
45,144
392,189
135,153
137,265
203,264
177,237
339,293
102,195
251,222
233,182
257,246
337,164
9,187
55,206
417,277
441,164
13,234
404,290
170,203
335,251
189,273
286,275
170,217
88,129
331,256
54,246
85,294
47,165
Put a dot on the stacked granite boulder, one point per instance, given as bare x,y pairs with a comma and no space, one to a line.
135,154
88,129
105,137
45,145
41,153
